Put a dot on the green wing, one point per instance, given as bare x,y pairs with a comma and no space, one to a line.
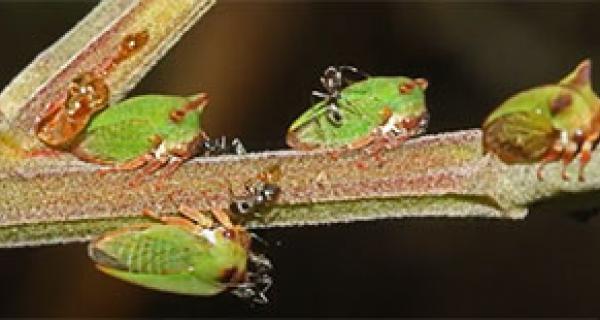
153,108
117,142
519,137
175,283
156,256
361,108
522,128
316,129
150,249
128,129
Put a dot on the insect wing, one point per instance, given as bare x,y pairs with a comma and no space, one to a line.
361,108
117,142
153,108
314,130
128,129
156,256
521,129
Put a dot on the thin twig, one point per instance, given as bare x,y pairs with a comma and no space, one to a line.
91,41
54,200
439,175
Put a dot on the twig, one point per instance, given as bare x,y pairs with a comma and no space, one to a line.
92,40
59,200
54,200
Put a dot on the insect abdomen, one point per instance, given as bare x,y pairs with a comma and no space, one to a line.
519,137
151,251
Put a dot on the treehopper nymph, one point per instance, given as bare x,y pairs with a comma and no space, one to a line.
151,131
87,94
190,255
547,123
376,112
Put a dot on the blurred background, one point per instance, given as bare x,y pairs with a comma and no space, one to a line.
259,60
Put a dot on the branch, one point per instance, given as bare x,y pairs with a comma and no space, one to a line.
51,200
54,200
89,43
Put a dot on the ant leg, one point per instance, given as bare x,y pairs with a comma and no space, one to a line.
348,68
353,70
319,95
261,261
238,146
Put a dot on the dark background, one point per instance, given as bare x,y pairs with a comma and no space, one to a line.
259,61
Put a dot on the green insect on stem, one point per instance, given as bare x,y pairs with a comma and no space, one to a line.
189,255
151,131
87,94
547,123
380,111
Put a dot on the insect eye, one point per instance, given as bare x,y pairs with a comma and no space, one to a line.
335,117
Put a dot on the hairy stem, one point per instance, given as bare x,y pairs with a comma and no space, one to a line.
91,41
50,200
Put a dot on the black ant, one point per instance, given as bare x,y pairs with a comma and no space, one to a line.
333,82
259,194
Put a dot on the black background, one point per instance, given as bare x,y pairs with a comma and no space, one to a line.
259,61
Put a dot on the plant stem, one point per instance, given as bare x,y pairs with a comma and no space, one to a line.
50,200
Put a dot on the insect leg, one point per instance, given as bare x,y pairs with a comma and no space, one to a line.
153,165
129,165
261,261
173,164
352,70
222,217
586,153
173,221
552,155
238,146
567,157
197,216
318,94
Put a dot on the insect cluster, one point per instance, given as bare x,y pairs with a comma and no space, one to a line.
200,254
88,93
197,255
146,132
